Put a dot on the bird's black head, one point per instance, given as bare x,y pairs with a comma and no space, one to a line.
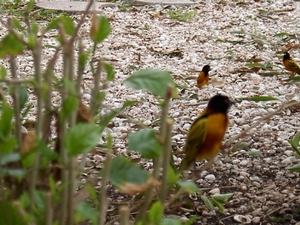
286,56
219,104
206,68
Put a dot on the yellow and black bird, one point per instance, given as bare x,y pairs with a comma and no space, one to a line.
203,76
290,64
205,136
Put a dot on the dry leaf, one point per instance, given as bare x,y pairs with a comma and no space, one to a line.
132,189
255,69
28,142
95,24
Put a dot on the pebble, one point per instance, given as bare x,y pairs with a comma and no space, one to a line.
210,177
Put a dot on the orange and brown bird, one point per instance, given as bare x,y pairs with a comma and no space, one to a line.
203,76
205,136
290,64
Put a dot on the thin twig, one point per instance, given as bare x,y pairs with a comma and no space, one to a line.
124,215
82,20
157,162
49,209
166,159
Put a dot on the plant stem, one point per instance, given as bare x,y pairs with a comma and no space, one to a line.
103,204
16,104
37,51
166,159
124,215
158,161
49,209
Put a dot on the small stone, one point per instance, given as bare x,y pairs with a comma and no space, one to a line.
244,162
210,177
214,191
186,126
286,161
256,220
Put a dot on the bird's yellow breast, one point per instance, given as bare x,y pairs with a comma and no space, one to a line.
215,130
202,79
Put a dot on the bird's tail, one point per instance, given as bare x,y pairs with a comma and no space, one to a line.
185,164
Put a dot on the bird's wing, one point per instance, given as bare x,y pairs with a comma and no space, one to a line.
197,131
196,137
294,66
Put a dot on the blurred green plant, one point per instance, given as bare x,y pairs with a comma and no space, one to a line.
182,15
39,175
294,142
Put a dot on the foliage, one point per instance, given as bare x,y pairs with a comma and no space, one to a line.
39,173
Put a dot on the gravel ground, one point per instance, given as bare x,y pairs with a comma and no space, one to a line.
226,35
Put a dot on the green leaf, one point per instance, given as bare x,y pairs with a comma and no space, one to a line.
294,79
156,212
282,34
85,211
258,98
109,71
30,6
13,172
23,96
8,158
101,96
207,202
11,46
251,65
69,106
47,153
222,198
170,221
39,197
218,204
188,186
192,220
3,72
262,98
7,145
28,158
103,30
10,214
181,15
92,191
66,22
5,120
146,143
34,28
295,141
124,171
70,86
83,58
154,81
32,40
81,138
294,168
255,153
173,176
16,24
238,32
